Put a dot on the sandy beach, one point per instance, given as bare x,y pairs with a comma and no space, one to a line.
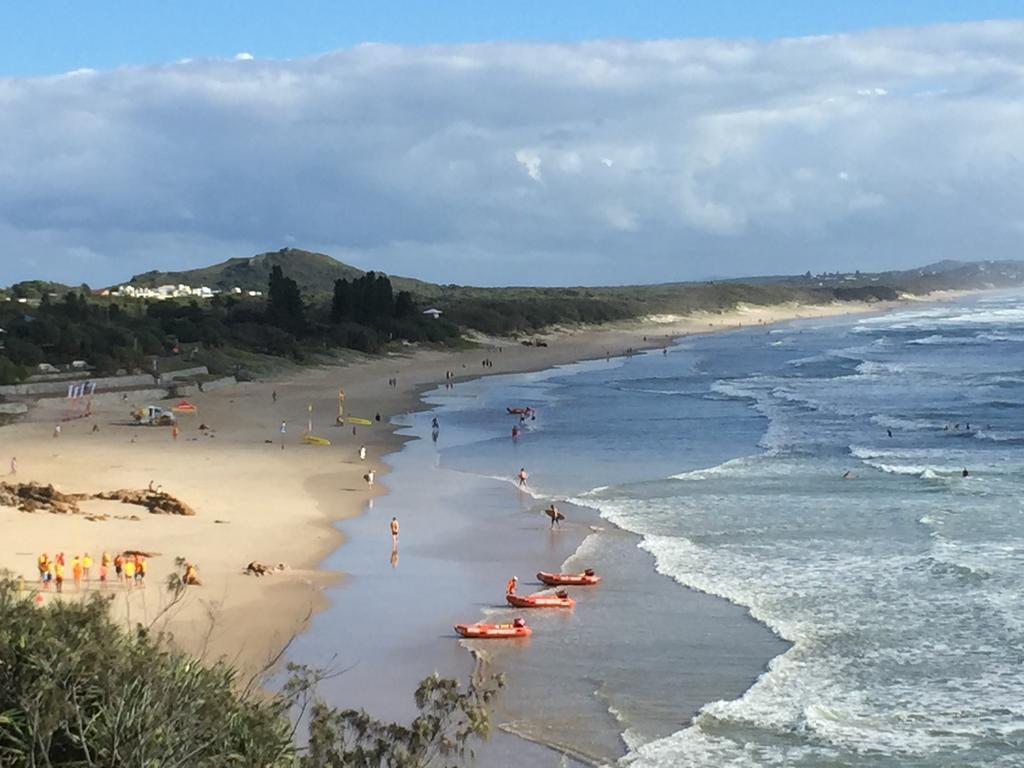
260,495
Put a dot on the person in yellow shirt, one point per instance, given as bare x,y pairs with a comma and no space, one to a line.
105,561
86,565
58,575
129,571
43,563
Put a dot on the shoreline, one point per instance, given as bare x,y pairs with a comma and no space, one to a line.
293,519
396,458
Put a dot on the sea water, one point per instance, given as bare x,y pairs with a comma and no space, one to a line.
812,474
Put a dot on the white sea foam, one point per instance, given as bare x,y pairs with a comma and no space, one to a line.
875,368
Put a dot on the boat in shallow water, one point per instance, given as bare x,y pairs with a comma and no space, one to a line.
586,578
516,628
540,600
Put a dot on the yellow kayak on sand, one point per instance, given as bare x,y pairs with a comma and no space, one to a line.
357,420
314,440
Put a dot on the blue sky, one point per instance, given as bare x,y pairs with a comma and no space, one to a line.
52,36
686,141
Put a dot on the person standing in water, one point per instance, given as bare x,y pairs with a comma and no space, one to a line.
965,473
369,478
522,477
394,532
510,585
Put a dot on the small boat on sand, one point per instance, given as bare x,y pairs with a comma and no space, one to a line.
540,600
517,628
569,579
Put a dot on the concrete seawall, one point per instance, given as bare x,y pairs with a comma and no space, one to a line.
140,381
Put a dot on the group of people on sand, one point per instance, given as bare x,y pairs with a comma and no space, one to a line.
129,571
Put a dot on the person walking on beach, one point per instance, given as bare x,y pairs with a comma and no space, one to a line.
273,396
394,532
119,567
369,478
86,565
362,453
129,572
43,563
56,431
58,574
510,585
76,571
522,477
104,568
14,465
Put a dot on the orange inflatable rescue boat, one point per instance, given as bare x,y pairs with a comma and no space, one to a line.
539,600
517,628
569,579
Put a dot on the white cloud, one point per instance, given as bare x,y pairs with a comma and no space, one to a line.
531,161
602,161
243,56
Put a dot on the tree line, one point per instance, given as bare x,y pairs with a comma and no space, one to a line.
110,334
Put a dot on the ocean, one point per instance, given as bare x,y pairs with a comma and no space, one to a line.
811,475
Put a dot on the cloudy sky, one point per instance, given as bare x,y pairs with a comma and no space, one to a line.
590,162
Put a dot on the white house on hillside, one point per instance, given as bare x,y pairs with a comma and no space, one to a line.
434,313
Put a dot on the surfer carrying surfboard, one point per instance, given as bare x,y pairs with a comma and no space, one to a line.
555,515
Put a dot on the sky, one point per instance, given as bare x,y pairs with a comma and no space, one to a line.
510,143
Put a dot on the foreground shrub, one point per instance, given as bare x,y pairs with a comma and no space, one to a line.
78,690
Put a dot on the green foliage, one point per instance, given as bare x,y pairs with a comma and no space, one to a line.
78,691
449,720
9,372
284,303
75,690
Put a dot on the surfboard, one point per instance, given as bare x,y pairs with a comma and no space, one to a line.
357,420
314,440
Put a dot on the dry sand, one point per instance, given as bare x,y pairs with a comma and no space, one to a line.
255,500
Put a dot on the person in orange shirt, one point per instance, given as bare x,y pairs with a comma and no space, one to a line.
58,574
510,586
140,570
86,565
104,567
76,571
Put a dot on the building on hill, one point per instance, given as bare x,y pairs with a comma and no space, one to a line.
434,313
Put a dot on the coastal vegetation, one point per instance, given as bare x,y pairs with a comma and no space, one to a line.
110,335
315,305
76,689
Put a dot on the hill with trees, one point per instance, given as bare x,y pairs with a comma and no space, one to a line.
314,305
314,273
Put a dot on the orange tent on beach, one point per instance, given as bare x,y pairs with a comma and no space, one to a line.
185,407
